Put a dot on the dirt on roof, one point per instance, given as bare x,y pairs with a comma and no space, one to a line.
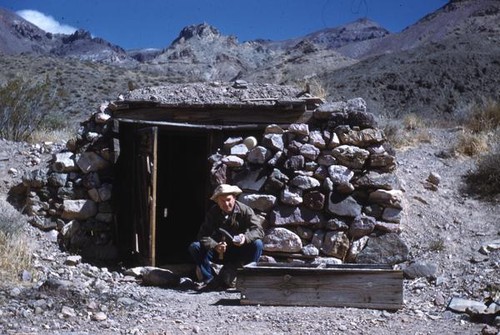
216,93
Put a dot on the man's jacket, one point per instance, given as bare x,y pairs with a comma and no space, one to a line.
242,220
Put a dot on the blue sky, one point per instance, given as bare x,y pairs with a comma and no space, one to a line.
156,23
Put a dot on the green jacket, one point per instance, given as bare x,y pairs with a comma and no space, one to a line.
242,220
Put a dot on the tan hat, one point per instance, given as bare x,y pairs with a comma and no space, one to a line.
225,189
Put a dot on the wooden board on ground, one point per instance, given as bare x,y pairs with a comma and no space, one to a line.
345,285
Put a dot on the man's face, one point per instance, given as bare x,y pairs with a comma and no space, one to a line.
226,202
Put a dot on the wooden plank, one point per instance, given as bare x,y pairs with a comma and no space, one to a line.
312,268
145,193
153,191
214,114
189,126
334,287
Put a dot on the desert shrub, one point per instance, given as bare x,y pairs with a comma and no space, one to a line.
399,135
437,244
15,256
11,221
51,135
24,104
318,89
313,86
472,144
412,121
485,179
15,248
484,116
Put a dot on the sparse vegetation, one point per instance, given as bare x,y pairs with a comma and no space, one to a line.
24,106
52,135
485,179
482,140
437,245
15,248
485,116
412,121
408,132
472,144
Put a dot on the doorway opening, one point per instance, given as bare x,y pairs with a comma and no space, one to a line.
181,204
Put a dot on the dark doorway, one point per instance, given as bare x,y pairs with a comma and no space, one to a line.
181,193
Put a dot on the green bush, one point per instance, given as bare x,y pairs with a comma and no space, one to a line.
24,105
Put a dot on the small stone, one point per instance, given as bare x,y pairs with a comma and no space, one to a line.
99,316
439,299
73,260
26,276
434,178
250,142
68,312
15,292
489,330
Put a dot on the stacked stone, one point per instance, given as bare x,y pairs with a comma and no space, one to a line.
326,187
73,196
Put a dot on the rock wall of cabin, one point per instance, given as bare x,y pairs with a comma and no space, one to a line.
326,188
72,196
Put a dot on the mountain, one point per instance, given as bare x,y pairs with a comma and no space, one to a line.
332,38
436,67
201,53
201,49
457,18
18,36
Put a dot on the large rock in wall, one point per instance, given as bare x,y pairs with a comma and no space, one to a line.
329,182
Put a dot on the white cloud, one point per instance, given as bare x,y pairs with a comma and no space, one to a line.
45,22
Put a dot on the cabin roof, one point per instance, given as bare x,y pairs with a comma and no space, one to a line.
216,103
217,93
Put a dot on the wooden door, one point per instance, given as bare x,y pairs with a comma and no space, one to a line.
145,178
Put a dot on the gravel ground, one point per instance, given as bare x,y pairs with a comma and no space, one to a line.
444,227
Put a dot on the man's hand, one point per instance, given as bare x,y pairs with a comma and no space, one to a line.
220,248
239,240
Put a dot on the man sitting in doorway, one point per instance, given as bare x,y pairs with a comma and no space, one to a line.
215,245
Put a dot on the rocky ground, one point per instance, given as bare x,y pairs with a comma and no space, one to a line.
444,227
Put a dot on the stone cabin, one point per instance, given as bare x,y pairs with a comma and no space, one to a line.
135,183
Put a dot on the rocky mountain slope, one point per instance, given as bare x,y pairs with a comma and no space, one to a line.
458,17
436,67
18,36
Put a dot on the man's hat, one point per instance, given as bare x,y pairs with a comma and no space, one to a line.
225,189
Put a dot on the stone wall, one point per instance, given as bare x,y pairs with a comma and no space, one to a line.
327,188
72,195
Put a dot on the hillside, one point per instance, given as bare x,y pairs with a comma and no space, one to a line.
436,67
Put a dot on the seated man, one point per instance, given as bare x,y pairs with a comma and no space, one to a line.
215,245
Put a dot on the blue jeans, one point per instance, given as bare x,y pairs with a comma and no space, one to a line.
247,253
